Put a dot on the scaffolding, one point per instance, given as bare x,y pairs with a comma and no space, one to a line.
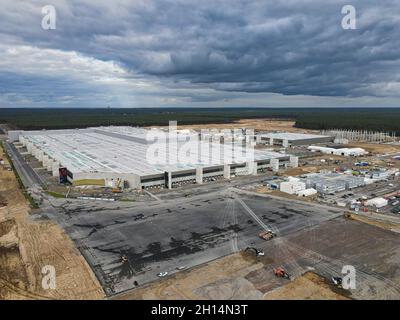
362,135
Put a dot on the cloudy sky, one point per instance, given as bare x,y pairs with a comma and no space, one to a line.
207,53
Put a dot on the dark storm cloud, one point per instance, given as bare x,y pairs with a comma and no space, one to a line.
283,46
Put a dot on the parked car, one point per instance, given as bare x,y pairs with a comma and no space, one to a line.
181,268
162,274
395,210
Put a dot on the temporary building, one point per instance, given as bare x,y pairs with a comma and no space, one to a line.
354,152
377,202
380,174
292,187
307,192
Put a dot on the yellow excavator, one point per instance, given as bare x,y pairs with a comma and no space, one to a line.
117,188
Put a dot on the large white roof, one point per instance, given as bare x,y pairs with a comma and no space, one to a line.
95,150
291,136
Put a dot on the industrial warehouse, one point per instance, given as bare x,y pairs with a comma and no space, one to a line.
231,196
289,139
125,155
200,157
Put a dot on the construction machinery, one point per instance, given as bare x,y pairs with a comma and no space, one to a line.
280,272
337,281
267,235
117,188
255,250
348,215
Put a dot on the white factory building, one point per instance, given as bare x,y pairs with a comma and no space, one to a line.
289,139
347,152
127,154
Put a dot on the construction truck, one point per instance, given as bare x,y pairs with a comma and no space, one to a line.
267,235
280,272
117,188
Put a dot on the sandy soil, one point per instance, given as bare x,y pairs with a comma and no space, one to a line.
309,286
237,276
256,124
376,148
281,194
26,246
387,225
223,278
300,171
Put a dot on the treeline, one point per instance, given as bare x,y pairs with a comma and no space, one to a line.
365,119
378,119
32,119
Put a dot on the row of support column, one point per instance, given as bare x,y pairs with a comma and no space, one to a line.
251,167
285,142
48,163
293,161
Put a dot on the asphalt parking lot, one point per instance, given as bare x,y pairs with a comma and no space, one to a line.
376,189
178,234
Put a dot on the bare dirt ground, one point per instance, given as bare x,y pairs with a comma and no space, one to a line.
387,225
284,195
256,124
224,278
372,251
301,170
317,163
376,148
309,286
26,246
237,276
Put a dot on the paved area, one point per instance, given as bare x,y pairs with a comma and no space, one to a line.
372,251
174,234
128,244
320,251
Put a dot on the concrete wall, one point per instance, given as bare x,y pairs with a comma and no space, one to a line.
294,161
132,179
300,142
199,175
275,165
305,142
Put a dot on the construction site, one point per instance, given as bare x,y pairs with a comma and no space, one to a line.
121,156
259,215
